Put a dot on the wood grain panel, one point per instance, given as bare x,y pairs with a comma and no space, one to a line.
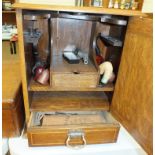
34,86
8,128
71,32
13,118
58,137
12,101
29,59
60,101
43,44
132,101
19,19
104,132
11,80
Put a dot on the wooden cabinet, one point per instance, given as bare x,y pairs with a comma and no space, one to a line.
12,98
45,104
13,116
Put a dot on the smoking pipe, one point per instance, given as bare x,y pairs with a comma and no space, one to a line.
106,69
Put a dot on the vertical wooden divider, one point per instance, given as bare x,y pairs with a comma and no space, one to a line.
22,62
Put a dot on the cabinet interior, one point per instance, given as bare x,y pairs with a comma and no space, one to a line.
59,29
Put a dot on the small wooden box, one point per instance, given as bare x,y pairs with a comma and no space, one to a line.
68,75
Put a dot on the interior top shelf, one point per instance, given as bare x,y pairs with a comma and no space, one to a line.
34,86
96,10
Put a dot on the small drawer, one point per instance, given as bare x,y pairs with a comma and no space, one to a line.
73,129
74,79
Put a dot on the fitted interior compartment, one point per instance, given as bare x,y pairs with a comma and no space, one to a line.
71,118
60,29
68,127
75,100
66,32
37,45
68,119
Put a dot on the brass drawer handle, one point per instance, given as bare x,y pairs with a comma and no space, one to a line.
74,134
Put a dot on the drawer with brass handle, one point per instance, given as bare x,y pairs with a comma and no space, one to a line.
75,129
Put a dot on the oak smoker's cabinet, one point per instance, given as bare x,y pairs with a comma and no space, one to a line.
74,108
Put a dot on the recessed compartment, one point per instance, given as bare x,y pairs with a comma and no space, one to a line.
69,101
73,129
69,30
36,43
56,31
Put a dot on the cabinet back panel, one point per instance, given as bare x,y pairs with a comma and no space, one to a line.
43,43
70,32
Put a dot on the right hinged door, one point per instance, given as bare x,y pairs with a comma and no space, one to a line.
133,101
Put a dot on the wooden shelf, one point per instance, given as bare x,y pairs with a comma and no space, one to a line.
8,11
69,101
95,10
34,86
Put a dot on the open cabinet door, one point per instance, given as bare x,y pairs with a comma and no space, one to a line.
132,102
